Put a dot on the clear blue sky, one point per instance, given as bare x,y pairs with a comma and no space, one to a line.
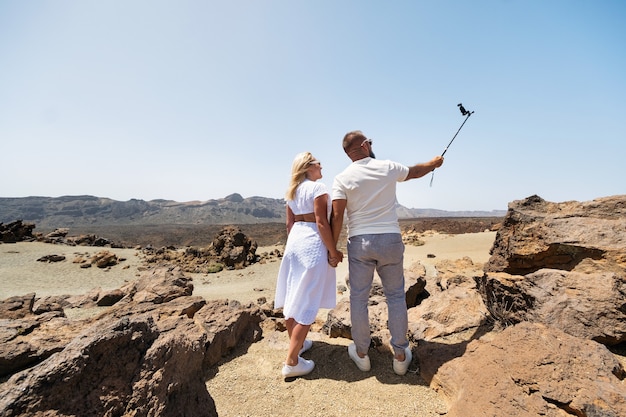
196,100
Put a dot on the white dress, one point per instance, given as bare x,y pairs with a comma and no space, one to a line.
306,282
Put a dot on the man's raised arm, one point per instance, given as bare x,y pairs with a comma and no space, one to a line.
419,170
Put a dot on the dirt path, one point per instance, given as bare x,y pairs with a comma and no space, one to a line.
249,383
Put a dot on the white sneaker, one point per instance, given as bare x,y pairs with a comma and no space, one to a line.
302,368
308,344
400,368
362,363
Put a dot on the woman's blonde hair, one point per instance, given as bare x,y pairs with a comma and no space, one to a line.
301,163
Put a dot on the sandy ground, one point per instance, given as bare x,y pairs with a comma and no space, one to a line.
20,273
248,382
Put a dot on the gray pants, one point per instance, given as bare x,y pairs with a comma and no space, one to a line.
385,254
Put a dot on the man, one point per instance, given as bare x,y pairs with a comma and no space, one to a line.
366,190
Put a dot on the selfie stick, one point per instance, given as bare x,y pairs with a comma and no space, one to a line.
464,113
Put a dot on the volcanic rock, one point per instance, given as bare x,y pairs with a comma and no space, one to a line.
530,370
16,231
562,264
568,236
147,355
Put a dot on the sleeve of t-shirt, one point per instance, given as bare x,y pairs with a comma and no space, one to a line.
399,170
337,192
320,189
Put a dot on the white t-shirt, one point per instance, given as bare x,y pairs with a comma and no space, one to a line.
306,193
369,186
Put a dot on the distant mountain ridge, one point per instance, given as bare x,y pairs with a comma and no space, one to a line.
86,210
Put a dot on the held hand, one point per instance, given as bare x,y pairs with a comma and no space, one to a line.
437,161
333,260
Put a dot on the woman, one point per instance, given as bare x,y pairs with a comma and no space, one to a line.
306,278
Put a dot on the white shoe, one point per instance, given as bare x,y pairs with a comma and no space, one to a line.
363,363
308,344
400,368
302,368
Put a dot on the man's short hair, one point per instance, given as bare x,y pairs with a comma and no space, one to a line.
356,136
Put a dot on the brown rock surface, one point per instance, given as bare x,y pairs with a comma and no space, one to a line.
590,306
532,370
16,231
537,234
17,307
146,355
562,264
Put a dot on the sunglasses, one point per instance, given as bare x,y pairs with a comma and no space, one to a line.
367,141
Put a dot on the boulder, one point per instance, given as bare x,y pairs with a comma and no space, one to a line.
17,307
27,341
117,367
50,303
109,298
51,258
529,370
590,306
159,285
16,231
104,259
459,272
233,248
456,310
537,234
228,324
57,235
338,323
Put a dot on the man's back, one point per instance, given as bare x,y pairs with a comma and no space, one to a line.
369,186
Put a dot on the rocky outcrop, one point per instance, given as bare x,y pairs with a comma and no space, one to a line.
146,355
524,334
590,306
116,367
562,265
531,370
233,248
230,249
16,231
572,236
28,338
60,236
17,307
556,286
